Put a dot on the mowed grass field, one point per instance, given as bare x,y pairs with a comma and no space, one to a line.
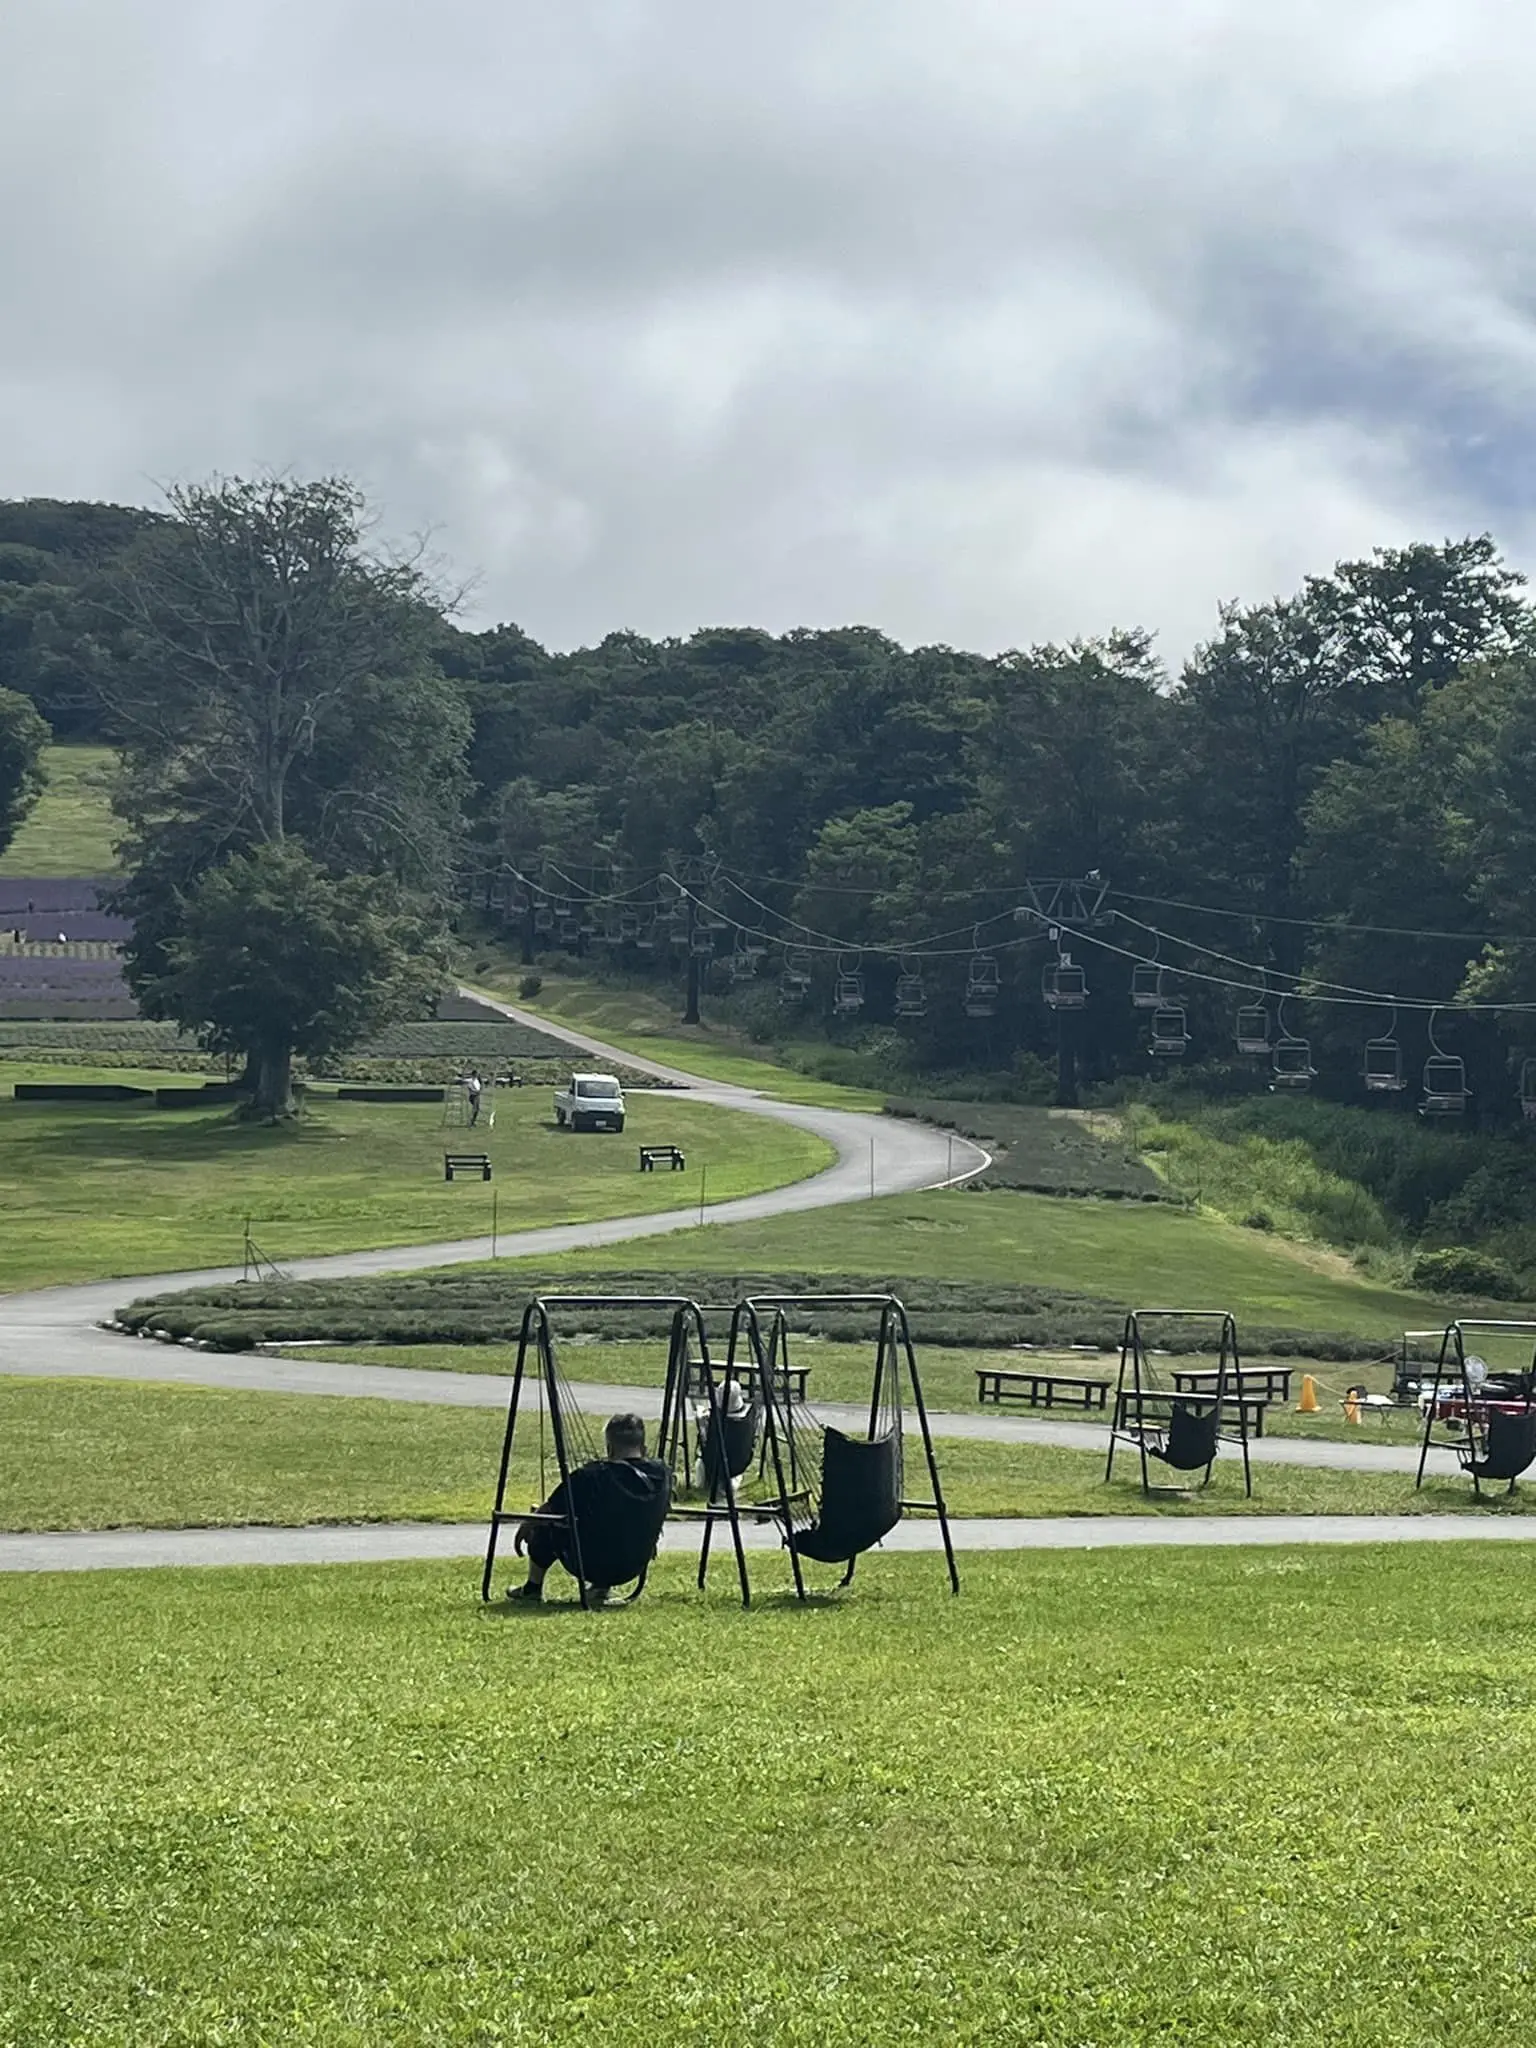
71,830
107,1454
94,1190
1144,1254
1211,1798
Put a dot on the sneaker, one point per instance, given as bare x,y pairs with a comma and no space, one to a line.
533,1593
598,1596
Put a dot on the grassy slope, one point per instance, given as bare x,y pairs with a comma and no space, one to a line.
71,830
105,1454
99,1189
1184,1797
1112,1250
641,1020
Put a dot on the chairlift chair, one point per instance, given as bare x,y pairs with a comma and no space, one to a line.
568,931
981,985
1170,1037
1291,1068
1253,1028
701,940
911,996
1384,1066
848,990
629,928
1146,985
1445,1085
1064,986
543,917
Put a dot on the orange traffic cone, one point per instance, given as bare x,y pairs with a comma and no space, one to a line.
1309,1403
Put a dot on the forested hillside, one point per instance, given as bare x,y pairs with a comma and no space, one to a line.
1330,801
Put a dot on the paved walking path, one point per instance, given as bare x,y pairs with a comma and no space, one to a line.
386,1542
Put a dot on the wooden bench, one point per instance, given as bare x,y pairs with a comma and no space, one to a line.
466,1162
1039,1389
650,1154
1272,1382
1244,1410
794,1376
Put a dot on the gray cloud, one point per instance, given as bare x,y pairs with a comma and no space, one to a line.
980,320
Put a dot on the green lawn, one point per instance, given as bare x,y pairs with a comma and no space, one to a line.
639,1019
71,830
98,1189
1179,1797
105,1454
1149,1254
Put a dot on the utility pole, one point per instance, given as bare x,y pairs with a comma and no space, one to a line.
695,963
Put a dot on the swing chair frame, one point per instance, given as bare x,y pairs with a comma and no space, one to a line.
1144,1409
766,1356
538,1362
1479,1411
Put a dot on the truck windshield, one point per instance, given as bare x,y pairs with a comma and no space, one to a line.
605,1088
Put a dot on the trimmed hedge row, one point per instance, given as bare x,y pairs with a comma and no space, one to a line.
456,1305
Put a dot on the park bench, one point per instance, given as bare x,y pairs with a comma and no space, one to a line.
650,1154
1039,1389
1271,1382
1248,1409
466,1162
791,1376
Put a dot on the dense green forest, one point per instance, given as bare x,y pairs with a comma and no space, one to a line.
1332,797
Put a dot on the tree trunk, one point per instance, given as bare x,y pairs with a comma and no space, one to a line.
272,1101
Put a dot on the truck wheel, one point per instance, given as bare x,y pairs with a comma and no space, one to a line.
559,1119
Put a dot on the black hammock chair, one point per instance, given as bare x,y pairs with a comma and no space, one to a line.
833,1492
1492,1413
1180,1429
608,1521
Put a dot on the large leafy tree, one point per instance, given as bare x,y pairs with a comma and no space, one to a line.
274,956
23,736
277,683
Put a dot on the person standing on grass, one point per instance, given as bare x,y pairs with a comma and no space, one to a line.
621,1500
472,1088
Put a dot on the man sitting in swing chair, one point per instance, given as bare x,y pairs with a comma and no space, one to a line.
619,1501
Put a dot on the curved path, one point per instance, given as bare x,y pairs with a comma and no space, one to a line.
54,1330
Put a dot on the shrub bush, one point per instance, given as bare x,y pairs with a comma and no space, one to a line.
1457,1269
529,986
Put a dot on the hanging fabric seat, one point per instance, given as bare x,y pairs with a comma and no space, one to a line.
860,1497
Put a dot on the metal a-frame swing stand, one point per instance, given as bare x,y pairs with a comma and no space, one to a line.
766,1355
1171,1426
1499,1420
688,1363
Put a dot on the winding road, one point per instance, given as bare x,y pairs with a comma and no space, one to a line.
54,1332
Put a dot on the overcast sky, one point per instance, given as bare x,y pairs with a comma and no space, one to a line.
982,321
